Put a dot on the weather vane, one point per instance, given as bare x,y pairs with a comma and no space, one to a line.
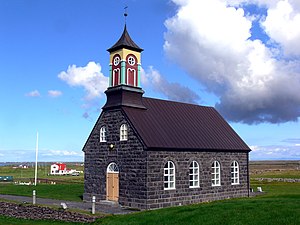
125,13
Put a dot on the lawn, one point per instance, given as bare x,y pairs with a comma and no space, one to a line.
71,192
25,174
66,187
280,205
15,221
294,174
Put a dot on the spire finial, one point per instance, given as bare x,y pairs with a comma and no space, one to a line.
125,12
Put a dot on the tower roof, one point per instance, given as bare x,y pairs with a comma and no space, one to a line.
125,41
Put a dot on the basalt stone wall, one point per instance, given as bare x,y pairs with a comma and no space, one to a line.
128,155
183,195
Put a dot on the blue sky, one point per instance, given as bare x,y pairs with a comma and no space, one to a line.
240,56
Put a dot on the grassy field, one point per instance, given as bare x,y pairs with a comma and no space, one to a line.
279,205
66,187
14,221
275,169
71,191
25,174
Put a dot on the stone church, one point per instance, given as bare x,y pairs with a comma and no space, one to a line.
149,153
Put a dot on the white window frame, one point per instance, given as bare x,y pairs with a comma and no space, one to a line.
216,174
131,60
134,76
169,176
103,134
117,60
235,173
119,76
112,168
124,132
194,175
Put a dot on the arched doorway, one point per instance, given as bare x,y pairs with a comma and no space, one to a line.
112,182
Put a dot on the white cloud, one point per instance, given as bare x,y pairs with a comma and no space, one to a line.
54,93
89,77
210,40
282,24
62,153
34,93
28,155
275,152
173,91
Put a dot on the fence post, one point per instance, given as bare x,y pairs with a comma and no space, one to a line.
93,204
33,197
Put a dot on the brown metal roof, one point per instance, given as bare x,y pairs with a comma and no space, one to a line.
125,41
174,125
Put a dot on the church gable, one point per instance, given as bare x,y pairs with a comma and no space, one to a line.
111,131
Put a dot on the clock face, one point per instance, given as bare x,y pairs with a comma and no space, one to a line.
116,60
131,61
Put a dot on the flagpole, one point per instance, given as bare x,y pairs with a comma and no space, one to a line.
36,157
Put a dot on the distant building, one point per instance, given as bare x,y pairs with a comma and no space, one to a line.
58,169
61,169
149,153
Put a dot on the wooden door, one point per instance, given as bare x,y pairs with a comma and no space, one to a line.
112,186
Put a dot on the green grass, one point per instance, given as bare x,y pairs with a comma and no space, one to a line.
71,192
14,221
281,205
294,174
21,174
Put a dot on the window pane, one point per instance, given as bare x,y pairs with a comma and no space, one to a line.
171,178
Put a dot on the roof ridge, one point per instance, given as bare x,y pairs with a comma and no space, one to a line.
173,101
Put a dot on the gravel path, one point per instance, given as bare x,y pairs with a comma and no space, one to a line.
102,207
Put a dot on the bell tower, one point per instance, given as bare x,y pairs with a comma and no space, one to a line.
125,62
124,87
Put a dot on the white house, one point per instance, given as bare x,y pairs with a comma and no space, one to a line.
61,169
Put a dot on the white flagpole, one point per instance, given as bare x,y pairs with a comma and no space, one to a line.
36,157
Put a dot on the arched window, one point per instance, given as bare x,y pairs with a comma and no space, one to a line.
216,174
112,168
123,132
116,77
235,179
169,176
103,134
131,77
194,174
